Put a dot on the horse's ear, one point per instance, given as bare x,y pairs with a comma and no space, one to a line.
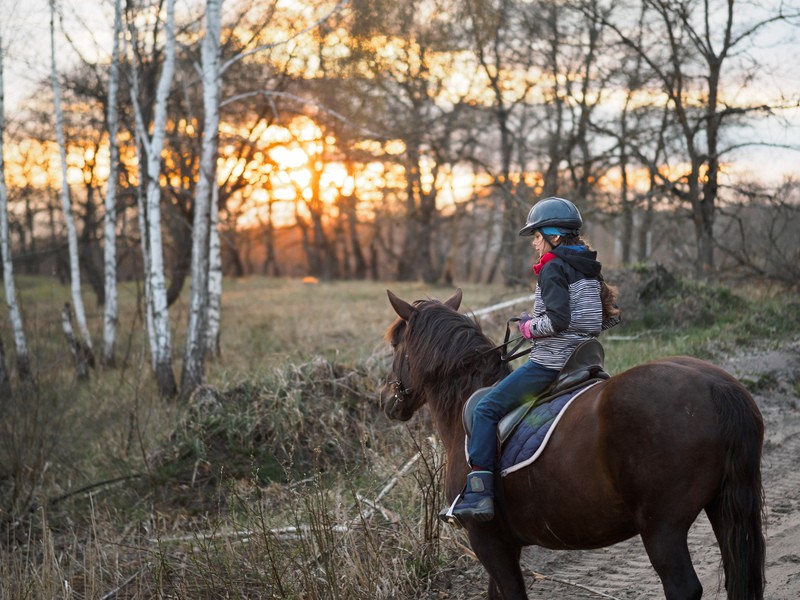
454,301
403,309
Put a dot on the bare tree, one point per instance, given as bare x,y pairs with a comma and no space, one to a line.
402,98
317,244
688,49
110,231
161,345
507,64
23,363
759,233
637,134
194,354
72,238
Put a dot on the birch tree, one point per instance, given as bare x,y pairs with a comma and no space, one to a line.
110,231
140,132
214,299
23,363
72,237
194,354
214,276
153,145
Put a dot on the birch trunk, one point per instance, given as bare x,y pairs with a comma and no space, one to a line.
142,149
158,289
194,354
110,231
148,305
72,237
78,352
214,276
23,363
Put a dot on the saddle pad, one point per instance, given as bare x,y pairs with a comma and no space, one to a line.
531,436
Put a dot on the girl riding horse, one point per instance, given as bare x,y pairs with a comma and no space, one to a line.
571,304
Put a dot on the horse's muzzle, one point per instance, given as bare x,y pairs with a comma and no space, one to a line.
394,402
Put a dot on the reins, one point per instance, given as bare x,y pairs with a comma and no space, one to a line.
515,352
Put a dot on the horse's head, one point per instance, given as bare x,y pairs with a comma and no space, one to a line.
402,395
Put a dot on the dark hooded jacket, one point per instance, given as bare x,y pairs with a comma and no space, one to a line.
567,308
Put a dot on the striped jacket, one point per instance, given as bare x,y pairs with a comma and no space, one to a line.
567,309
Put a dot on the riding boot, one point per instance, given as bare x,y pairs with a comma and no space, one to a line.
477,501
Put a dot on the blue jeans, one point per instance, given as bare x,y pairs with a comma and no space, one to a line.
521,385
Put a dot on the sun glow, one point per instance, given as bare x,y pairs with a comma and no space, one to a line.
298,168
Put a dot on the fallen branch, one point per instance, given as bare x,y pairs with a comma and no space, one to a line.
385,512
106,483
465,549
297,532
571,583
393,481
495,307
116,590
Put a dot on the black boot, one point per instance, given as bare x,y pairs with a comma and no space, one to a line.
477,501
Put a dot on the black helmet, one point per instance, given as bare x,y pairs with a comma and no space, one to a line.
553,212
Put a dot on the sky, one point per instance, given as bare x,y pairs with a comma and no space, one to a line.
24,28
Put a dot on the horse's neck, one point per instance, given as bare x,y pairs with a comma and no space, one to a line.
447,405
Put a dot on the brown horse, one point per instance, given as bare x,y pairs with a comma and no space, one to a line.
641,453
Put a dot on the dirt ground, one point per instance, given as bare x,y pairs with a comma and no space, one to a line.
624,572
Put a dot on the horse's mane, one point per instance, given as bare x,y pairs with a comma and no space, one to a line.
448,353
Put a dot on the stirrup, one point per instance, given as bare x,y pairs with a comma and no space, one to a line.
446,516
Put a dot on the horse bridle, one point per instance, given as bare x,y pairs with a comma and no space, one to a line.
401,392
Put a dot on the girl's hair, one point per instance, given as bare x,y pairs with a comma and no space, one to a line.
608,296
608,293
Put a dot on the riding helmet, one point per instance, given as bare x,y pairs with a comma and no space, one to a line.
553,212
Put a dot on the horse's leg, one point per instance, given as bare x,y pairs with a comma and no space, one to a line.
500,558
669,554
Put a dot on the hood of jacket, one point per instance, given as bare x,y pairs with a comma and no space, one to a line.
580,258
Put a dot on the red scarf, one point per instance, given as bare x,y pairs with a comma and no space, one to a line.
546,258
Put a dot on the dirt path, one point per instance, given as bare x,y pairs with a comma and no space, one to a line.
623,571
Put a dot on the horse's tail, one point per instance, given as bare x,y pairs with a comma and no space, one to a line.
738,510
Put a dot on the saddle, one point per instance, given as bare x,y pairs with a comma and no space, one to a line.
584,366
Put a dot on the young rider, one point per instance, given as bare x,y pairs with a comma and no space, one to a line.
571,304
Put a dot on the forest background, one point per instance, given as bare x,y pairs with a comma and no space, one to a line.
354,141
389,140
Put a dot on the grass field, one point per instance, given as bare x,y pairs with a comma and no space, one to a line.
264,485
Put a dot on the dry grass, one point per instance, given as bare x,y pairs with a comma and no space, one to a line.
110,492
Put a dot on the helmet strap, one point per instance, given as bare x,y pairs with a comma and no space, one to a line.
553,240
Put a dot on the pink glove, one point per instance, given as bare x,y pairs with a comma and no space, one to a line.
524,325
